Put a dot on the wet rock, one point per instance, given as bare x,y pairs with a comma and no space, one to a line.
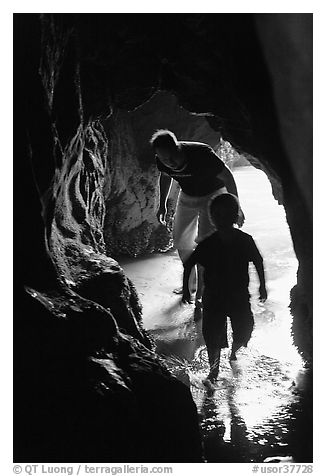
109,286
87,393
302,331
279,459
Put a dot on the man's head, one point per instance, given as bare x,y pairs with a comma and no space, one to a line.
224,210
165,145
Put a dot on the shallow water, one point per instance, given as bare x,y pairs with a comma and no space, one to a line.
251,412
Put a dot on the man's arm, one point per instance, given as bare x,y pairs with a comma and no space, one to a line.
165,182
229,182
227,176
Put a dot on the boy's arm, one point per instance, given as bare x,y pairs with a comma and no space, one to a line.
258,262
259,265
187,267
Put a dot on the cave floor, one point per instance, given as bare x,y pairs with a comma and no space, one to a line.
249,414
252,411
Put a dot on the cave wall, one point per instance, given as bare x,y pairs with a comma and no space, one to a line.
287,47
79,80
130,195
87,382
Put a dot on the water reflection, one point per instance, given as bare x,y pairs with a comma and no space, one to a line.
246,415
226,439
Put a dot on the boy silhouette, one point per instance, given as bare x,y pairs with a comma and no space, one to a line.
225,256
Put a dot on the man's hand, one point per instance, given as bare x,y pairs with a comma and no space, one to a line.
186,297
241,218
161,215
262,293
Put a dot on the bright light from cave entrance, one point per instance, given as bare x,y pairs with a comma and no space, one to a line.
256,393
266,222
272,365
156,276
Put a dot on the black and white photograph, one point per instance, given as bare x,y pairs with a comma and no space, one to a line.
162,241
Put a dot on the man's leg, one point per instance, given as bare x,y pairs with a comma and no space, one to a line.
200,286
185,231
205,228
183,255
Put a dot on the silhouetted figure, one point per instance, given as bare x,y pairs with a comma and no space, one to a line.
225,256
201,175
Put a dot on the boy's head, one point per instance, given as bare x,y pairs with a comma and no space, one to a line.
224,210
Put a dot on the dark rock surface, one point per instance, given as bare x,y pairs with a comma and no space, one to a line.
88,385
85,392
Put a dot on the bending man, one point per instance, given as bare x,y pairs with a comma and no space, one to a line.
202,175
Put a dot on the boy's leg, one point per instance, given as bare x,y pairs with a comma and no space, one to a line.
235,347
214,362
214,333
242,322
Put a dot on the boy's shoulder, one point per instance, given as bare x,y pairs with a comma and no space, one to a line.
216,236
215,240
211,238
244,237
243,234
209,241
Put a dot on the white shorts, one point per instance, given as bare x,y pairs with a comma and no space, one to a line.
192,222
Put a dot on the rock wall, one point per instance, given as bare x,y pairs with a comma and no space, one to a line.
88,384
130,194
283,37
85,392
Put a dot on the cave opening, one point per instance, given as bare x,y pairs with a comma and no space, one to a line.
260,194
156,275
